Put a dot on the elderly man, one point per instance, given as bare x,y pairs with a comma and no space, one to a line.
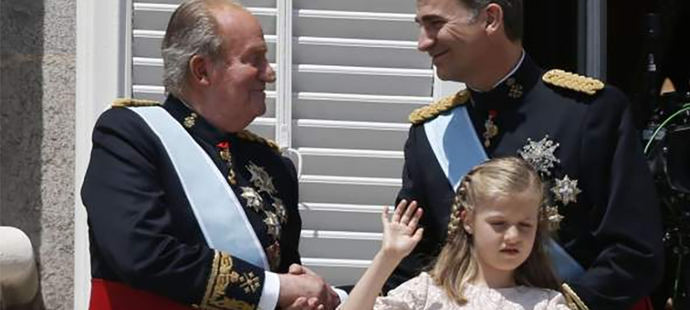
575,130
185,207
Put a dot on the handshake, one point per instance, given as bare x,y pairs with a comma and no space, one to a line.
302,289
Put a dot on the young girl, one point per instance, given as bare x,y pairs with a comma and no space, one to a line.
494,254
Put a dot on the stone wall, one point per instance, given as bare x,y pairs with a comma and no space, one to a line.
37,100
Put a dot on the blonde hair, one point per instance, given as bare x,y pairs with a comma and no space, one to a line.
456,264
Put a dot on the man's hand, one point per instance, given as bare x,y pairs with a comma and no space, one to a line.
400,234
299,269
302,303
301,288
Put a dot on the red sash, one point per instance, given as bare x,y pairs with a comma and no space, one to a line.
644,304
108,295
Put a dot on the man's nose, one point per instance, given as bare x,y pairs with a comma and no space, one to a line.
424,41
269,75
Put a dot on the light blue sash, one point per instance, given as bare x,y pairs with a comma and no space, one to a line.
457,149
220,215
455,144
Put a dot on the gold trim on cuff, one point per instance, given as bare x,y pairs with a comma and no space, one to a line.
222,275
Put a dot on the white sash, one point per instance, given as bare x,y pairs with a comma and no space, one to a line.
457,149
220,215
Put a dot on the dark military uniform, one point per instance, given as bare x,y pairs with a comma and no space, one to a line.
613,229
143,233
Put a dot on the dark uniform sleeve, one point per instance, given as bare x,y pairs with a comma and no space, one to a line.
411,190
625,218
137,235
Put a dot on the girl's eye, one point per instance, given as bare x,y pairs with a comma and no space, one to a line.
526,225
497,223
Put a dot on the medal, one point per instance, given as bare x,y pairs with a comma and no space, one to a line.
490,128
225,155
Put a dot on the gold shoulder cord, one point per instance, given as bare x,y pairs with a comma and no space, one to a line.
244,134
432,110
573,81
574,302
252,137
130,102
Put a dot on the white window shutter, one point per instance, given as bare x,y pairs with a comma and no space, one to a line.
342,100
357,75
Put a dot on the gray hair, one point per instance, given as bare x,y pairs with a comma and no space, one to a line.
192,30
512,14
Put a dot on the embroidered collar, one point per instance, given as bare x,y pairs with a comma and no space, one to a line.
509,93
202,128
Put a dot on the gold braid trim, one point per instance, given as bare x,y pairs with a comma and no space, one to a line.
432,110
252,137
211,278
222,275
572,81
130,102
574,301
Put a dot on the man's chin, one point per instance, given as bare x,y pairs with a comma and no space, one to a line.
259,109
447,75
443,74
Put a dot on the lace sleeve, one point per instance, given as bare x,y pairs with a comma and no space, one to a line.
410,295
557,301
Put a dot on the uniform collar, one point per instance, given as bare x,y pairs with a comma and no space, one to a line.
511,90
512,71
184,114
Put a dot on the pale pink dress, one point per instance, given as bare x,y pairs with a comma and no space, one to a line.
420,293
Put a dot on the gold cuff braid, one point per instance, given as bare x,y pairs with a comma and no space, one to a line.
221,275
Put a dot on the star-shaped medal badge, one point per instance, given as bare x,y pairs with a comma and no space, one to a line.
254,200
272,225
566,190
261,179
540,154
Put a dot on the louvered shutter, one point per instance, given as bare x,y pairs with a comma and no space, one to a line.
357,75
348,76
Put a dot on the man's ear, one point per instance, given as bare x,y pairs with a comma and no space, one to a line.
494,17
200,70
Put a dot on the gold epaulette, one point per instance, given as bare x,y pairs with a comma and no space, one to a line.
572,81
432,110
130,102
574,302
250,136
